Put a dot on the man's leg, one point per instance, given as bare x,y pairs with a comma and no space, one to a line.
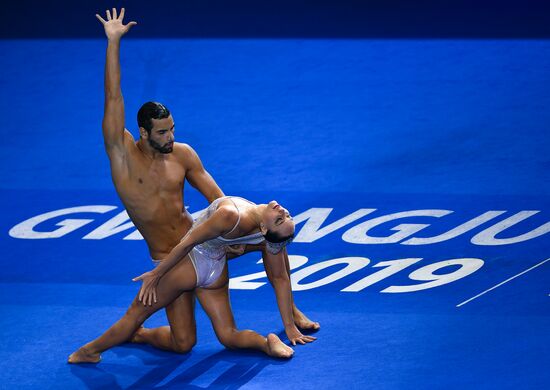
181,335
215,302
179,279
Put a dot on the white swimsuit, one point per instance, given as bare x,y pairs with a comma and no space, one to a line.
209,257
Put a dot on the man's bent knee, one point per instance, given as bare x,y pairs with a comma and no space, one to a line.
183,344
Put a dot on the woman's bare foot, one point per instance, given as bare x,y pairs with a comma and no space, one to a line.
82,355
276,348
302,322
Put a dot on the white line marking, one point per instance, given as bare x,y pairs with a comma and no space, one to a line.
500,284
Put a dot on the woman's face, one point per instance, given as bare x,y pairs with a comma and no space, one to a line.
277,220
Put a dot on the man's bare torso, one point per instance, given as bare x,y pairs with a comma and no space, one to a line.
152,192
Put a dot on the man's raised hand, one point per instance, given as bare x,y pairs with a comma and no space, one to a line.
114,29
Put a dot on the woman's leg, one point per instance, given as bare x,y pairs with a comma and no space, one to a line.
179,279
215,302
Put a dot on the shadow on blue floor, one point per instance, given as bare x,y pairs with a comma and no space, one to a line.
226,369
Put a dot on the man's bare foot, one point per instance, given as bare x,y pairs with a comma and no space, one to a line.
137,337
276,348
302,322
82,355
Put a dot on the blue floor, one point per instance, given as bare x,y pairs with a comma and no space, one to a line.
418,171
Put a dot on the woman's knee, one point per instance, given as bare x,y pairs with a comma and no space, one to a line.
227,337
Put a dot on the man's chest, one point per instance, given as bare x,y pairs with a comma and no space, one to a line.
158,177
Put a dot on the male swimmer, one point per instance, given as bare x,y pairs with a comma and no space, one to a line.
149,177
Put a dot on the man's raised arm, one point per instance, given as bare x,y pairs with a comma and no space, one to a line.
113,120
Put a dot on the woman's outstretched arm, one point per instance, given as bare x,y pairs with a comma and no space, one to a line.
222,221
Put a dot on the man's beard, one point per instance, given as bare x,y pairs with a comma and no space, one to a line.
167,148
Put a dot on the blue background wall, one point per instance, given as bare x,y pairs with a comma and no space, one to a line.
286,18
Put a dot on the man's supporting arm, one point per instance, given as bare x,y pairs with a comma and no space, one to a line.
199,178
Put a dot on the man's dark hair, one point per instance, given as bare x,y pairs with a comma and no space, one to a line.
275,238
150,111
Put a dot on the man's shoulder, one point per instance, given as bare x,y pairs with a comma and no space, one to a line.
184,152
182,147
122,151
